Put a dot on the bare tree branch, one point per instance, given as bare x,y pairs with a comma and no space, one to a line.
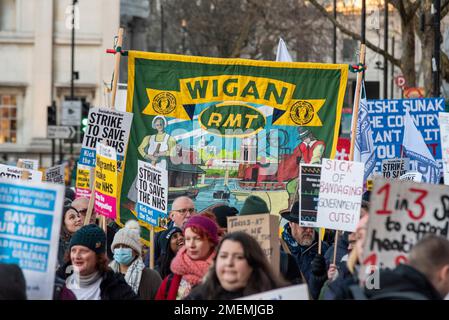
354,35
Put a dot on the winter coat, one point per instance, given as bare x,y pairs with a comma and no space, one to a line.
339,288
149,284
112,287
396,284
160,242
198,293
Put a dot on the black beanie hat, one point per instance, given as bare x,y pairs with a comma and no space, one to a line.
90,236
222,213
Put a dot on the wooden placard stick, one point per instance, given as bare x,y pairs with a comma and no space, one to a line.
151,247
90,207
116,67
335,246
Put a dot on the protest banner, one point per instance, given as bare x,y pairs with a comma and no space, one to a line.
309,190
225,122
296,292
56,174
387,123
444,132
152,199
31,164
401,213
264,228
83,181
412,176
340,199
106,126
106,181
10,172
30,223
394,168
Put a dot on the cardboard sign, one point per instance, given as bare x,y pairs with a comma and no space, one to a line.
106,181
309,190
394,168
30,223
412,176
110,127
30,164
264,228
56,174
341,189
444,133
401,213
152,194
297,292
14,173
83,181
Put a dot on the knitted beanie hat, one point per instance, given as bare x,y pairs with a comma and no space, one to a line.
207,225
129,236
90,236
254,205
222,213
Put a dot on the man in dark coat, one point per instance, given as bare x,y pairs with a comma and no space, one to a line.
424,277
302,242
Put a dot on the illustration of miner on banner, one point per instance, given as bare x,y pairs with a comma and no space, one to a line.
157,149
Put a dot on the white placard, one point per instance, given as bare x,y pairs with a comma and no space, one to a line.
444,136
341,189
394,168
30,223
14,173
297,292
152,194
412,176
56,174
71,113
30,164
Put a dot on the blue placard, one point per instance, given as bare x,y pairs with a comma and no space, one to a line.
387,122
151,216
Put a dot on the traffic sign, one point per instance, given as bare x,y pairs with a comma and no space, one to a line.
60,132
400,81
71,113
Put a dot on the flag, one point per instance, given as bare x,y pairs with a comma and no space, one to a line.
415,148
282,54
364,150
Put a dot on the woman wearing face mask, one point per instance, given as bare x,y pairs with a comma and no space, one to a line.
174,240
127,250
192,261
87,276
71,222
239,269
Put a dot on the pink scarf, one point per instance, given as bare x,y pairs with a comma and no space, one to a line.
192,271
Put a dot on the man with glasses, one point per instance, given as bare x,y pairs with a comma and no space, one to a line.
182,209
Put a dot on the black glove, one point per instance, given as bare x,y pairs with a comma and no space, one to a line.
318,265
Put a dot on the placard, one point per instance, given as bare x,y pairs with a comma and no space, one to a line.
83,181
30,223
412,176
14,173
394,168
31,164
56,174
264,228
297,292
309,190
444,132
152,197
110,127
106,181
340,199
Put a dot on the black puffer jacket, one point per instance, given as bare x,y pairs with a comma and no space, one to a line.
112,287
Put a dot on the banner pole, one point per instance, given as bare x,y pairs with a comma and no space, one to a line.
91,199
335,246
355,112
116,67
151,247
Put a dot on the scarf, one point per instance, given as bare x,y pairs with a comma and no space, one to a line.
85,287
133,274
294,247
192,271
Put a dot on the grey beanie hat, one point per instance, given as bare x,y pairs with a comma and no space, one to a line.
129,236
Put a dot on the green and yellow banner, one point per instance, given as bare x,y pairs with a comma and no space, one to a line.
227,128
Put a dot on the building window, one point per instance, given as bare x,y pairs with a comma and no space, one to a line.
8,118
349,49
7,15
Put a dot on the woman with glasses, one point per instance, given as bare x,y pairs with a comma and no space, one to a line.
71,222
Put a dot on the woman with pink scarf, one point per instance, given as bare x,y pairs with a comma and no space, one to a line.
192,261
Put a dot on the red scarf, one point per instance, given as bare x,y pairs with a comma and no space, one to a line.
192,271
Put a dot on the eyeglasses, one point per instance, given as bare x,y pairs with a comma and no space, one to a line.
185,210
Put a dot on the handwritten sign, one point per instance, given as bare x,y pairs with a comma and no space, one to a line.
444,132
341,189
264,228
110,127
14,173
394,168
297,292
401,213
106,181
30,222
56,174
152,194
309,190
83,181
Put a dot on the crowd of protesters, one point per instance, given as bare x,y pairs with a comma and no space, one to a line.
197,259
